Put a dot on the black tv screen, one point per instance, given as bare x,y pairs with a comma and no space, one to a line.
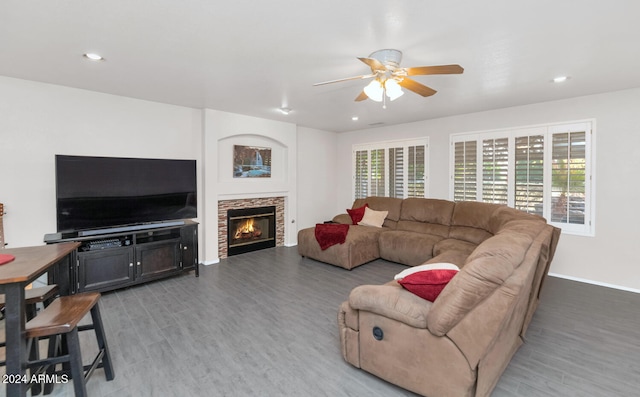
104,192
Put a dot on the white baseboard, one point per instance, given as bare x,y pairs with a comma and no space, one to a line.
213,262
586,281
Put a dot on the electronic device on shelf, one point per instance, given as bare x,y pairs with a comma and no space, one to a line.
105,243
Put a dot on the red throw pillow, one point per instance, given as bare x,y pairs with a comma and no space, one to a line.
356,214
428,284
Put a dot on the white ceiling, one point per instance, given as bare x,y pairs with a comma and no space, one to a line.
252,57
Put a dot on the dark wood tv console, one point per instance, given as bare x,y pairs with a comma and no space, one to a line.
113,260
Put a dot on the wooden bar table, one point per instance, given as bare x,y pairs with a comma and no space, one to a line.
29,264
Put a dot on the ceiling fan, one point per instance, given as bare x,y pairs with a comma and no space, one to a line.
389,78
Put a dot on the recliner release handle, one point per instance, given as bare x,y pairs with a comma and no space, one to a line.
377,333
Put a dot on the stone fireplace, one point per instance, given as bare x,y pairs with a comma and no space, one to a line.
246,225
250,229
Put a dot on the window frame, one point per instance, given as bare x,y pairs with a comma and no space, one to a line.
387,146
547,131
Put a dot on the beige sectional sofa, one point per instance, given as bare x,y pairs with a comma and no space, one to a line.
459,344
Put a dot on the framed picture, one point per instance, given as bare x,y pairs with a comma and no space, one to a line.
251,162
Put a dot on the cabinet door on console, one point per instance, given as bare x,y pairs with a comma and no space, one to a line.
189,237
156,259
105,269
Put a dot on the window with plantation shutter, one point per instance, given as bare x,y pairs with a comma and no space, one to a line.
391,169
361,174
396,176
377,174
495,167
529,174
416,172
569,178
544,170
465,171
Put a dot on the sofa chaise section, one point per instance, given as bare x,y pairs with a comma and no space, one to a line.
361,244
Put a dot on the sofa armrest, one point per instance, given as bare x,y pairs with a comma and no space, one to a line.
391,301
342,218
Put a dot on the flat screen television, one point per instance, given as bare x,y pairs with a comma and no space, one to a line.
94,193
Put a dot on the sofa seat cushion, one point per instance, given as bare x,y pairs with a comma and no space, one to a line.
424,228
452,244
470,234
458,258
360,247
408,248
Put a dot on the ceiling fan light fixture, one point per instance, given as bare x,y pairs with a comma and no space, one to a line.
374,90
393,89
284,110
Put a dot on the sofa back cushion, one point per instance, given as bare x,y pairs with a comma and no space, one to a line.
504,215
430,216
471,221
390,204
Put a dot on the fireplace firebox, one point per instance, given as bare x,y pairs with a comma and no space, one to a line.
251,229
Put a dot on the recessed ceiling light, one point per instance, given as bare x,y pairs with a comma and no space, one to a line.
285,111
354,118
560,79
93,56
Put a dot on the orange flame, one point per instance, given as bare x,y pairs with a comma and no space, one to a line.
244,228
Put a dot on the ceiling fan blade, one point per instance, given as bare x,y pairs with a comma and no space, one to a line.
416,87
364,76
374,64
361,97
443,69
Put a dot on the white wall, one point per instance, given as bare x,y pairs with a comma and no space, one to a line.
609,258
222,130
317,170
40,120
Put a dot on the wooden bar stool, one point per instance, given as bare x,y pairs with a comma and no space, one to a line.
60,320
32,297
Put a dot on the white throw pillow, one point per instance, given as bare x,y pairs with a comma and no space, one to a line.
421,268
373,218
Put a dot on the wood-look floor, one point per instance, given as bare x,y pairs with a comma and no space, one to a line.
264,324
